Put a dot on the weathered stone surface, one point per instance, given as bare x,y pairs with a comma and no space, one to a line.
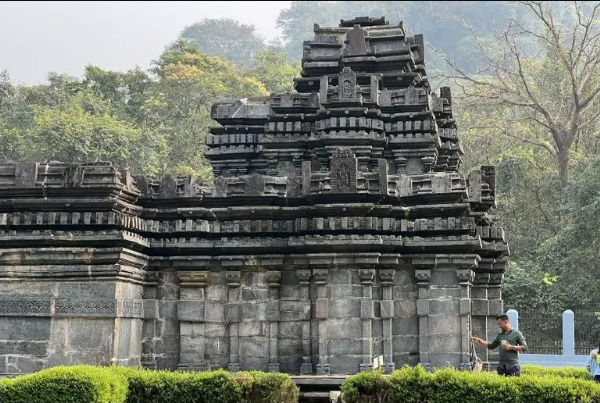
34,348
344,329
344,308
23,364
14,328
345,364
338,231
191,311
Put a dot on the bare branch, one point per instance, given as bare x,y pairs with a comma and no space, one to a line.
538,200
590,120
561,101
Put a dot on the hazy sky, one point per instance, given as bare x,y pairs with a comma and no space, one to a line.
38,37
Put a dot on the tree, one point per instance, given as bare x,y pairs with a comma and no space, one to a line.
274,71
572,255
60,89
554,89
549,225
528,286
80,130
149,123
15,118
189,82
125,92
68,121
226,38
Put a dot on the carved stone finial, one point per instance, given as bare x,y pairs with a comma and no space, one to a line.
26,174
446,92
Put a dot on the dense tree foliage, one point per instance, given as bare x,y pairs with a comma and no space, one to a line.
226,38
554,90
152,122
531,109
273,70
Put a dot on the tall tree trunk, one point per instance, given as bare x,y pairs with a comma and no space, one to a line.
563,174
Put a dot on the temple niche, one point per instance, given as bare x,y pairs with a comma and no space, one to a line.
338,235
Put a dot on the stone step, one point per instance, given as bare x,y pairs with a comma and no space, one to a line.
333,396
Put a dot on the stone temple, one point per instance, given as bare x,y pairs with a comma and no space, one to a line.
338,235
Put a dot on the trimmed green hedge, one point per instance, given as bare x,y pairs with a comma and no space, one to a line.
183,387
414,385
79,384
261,387
563,372
89,384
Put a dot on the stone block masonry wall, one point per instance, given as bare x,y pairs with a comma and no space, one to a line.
338,235
270,325
71,274
349,322
67,323
160,341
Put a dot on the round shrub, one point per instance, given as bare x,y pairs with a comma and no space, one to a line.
77,384
261,387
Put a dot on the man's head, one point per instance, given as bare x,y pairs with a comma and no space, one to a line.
503,322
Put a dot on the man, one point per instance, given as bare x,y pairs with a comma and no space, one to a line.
512,342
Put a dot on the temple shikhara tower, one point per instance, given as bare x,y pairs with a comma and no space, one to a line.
338,235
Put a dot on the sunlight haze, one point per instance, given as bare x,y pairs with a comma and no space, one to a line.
39,37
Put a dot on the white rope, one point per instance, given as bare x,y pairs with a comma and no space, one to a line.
477,363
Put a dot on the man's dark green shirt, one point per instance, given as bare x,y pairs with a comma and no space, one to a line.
509,358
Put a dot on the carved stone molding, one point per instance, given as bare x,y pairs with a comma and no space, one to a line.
496,278
425,262
422,277
320,276
274,278
85,307
465,276
481,279
303,277
386,276
26,307
366,276
129,308
193,279
233,278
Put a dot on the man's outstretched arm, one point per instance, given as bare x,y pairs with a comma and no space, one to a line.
486,344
